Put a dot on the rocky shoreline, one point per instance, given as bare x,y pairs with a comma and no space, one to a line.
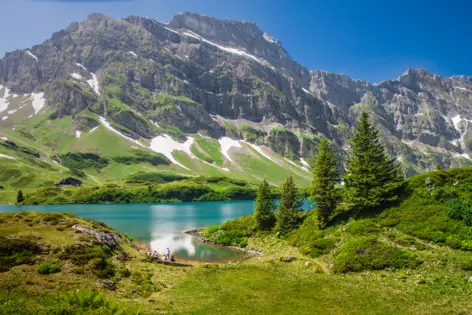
196,233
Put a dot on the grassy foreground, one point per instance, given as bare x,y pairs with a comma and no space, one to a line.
409,258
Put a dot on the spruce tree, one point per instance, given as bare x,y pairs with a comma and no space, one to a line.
264,207
325,177
19,197
290,205
372,178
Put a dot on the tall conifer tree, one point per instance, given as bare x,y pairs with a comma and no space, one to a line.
372,178
325,177
290,205
264,207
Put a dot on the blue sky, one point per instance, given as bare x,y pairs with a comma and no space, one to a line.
368,40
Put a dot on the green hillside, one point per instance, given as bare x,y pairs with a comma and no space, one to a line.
412,257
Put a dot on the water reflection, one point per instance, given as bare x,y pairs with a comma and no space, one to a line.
165,231
161,225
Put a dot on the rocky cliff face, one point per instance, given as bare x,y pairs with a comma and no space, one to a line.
151,78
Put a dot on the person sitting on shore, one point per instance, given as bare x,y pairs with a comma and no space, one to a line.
172,258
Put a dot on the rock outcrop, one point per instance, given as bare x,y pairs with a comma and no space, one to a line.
146,77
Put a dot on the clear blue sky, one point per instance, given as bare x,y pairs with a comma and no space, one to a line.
369,40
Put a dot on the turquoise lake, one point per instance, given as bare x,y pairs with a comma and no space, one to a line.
161,225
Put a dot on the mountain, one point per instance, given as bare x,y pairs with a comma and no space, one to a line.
206,96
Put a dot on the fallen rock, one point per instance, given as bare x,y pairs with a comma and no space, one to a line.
287,259
103,238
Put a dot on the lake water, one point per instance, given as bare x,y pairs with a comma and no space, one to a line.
161,225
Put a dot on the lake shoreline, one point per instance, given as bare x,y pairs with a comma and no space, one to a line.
196,233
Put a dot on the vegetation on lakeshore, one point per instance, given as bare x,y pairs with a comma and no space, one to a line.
148,188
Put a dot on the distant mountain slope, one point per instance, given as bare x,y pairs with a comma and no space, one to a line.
214,97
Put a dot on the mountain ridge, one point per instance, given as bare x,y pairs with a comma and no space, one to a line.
198,76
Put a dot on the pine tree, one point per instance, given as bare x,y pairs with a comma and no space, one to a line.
325,177
19,197
290,205
372,178
264,207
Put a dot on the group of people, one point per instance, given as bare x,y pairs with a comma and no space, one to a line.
155,254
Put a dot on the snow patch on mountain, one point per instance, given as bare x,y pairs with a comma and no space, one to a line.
227,49
269,38
3,100
259,149
132,53
38,101
456,121
465,155
171,30
76,76
460,88
93,82
80,65
306,91
166,145
226,144
305,163
31,55
107,125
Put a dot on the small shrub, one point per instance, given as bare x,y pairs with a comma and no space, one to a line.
89,300
362,227
231,237
102,267
125,272
389,222
453,242
367,253
48,267
453,209
459,209
465,263
211,230
322,246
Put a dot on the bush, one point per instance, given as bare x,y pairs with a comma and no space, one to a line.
453,209
362,227
48,267
213,196
459,209
211,230
367,253
89,300
78,160
143,157
102,267
466,263
322,246
234,237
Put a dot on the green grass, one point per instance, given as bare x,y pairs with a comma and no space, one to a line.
210,148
